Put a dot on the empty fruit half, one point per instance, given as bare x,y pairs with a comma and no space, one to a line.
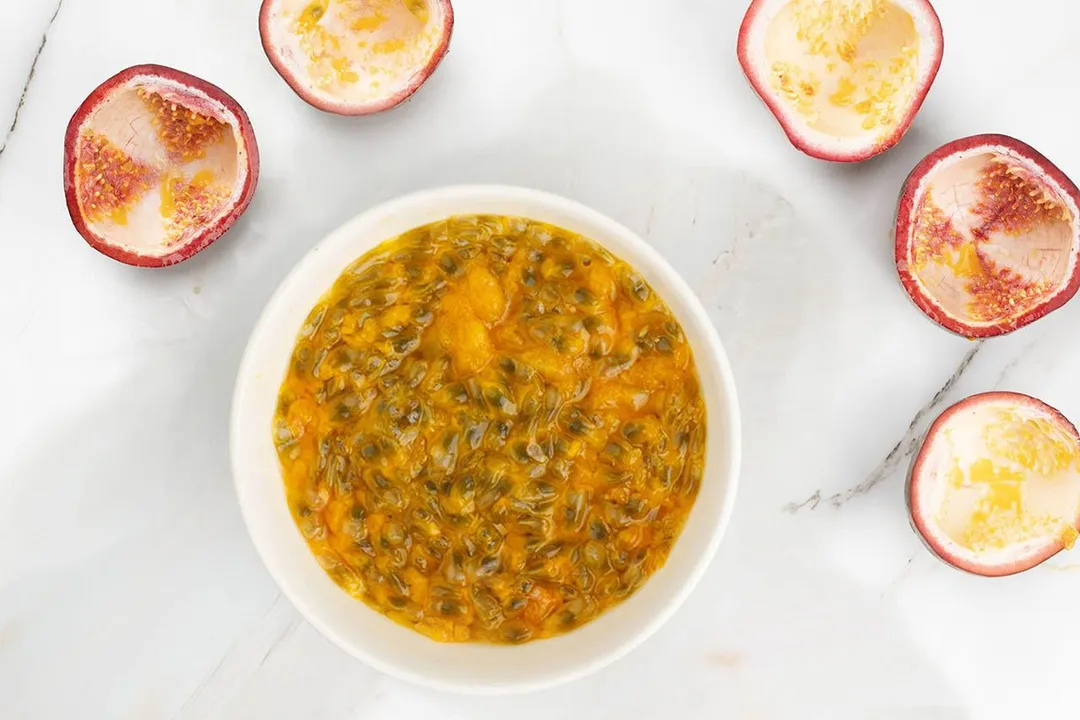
157,165
995,487
844,78
355,57
987,236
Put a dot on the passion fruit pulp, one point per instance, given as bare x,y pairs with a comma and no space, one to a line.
844,78
988,236
355,57
995,487
157,165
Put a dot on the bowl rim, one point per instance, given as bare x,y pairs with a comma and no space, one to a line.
731,427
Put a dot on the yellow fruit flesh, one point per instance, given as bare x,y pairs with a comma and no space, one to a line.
847,66
1024,487
171,185
353,48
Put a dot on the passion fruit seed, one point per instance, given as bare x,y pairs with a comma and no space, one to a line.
108,181
312,14
187,204
184,133
1014,201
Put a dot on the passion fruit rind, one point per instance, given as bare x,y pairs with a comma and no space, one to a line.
171,98
1024,163
789,93
307,88
918,518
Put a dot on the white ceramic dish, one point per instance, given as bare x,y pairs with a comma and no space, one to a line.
367,635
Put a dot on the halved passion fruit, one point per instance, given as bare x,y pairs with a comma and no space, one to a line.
995,487
355,57
157,165
844,78
987,236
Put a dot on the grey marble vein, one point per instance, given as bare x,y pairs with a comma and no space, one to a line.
903,449
1012,364
900,576
285,635
30,77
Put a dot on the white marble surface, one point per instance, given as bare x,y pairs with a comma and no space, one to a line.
128,587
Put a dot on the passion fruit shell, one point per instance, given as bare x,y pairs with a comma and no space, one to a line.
158,164
995,486
843,78
355,57
988,236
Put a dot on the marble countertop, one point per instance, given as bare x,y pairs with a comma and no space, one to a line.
128,585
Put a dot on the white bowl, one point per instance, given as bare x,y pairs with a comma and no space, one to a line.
371,637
